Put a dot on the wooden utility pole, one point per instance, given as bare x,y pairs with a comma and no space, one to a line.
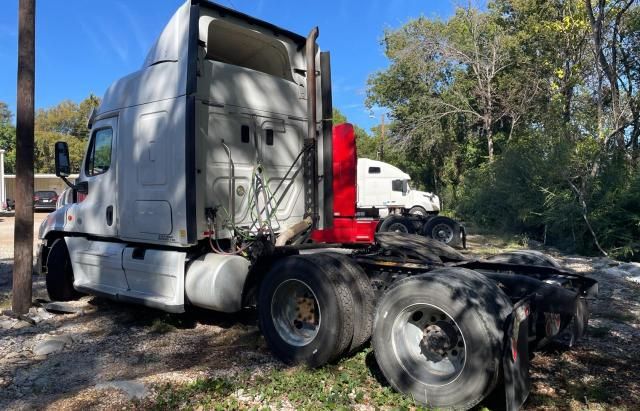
381,149
23,234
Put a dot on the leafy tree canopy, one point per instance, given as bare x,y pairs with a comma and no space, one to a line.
66,121
524,116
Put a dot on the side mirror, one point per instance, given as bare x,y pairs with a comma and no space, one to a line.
63,167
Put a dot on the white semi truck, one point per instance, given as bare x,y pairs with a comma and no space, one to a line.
386,187
207,173
384,192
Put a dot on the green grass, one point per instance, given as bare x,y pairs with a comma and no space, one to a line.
339,386
495,244
538,400
621,317
598,332
159,326
5,302
596,391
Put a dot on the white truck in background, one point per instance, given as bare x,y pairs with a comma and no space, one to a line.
386,187
208,171
383,191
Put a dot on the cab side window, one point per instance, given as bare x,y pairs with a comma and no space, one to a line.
396,185
99,154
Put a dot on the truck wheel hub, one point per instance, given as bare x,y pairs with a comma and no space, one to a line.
428,344
398,228
437,340
295,312
442,232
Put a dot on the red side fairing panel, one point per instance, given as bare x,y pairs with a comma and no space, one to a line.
346,228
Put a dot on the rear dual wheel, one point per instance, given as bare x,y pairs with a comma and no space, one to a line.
443,229
438,337
397,224
315,308
363,297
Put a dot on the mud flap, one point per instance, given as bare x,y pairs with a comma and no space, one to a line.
516,356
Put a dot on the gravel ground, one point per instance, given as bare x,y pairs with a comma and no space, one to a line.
106,353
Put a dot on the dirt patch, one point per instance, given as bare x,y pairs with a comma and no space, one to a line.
118,342
7,226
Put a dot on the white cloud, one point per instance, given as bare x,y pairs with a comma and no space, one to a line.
140,38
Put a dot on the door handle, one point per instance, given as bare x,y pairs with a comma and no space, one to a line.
109,215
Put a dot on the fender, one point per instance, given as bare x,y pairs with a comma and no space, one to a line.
56,221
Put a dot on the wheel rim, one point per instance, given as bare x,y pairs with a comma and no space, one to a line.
442,232
398,228
428,344
295,312
418,211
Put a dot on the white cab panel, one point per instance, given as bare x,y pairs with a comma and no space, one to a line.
97,214
155,276
242,87
150,277
97,265
153,217
253,137
152,188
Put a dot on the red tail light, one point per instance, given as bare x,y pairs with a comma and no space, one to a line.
36,198
55,198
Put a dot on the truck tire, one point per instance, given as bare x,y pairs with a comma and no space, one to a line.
396,224
418,210
364,298
443,229
305,310
438,337
59,278
529,257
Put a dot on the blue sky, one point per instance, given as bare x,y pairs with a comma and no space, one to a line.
82,46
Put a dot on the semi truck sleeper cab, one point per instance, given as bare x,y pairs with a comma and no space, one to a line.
209,174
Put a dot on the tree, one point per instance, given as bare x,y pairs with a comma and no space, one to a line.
44,151
605,20
451,69
552,47
525,115
7,138
364,142
67,117
5,114
66,121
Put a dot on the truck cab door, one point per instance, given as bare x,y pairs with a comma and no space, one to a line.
96,210
397,193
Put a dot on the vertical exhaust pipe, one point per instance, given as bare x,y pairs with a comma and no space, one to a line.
310,159
311,83
327,138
